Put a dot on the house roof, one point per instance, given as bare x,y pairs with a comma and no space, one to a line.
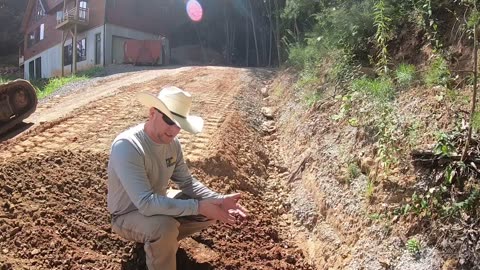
29,10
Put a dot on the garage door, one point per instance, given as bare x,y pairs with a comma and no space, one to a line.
117,49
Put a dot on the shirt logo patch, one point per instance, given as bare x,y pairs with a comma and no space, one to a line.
170,161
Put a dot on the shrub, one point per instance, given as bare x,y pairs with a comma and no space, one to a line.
380,88
405,75
413,246
437,73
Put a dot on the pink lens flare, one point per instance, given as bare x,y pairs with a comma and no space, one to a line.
194,10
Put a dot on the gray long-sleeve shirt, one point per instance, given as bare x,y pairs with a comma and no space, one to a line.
138,174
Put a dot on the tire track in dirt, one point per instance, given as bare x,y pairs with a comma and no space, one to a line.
93,126
70,226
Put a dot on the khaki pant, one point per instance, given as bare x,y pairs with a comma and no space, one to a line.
160,234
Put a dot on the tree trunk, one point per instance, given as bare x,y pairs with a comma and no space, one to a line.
277,31
227,36
474,98
254,32
270,32
247,38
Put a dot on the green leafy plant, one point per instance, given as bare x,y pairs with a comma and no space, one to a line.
469,203
353,171
381,88
476,121
437,73
413,246
312,98
345,107
444,145
382,22
427,21
405,75
369,189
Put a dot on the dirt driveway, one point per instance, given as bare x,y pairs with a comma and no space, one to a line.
53,176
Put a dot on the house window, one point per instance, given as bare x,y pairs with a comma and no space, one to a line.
36,35
39,10
67,53
31,39
82,12
42,31
59,16
81,52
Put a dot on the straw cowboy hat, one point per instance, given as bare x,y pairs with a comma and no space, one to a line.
174,103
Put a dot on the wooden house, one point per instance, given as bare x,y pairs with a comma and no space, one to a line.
99,28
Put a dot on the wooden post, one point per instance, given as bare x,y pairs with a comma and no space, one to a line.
63,39
76,9
63,53
74,56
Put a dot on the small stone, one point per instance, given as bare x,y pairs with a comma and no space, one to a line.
264,91
268,112
5,251
268,126
35,251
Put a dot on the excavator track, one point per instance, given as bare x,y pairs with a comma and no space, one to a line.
18,100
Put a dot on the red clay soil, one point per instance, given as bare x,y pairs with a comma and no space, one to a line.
53,202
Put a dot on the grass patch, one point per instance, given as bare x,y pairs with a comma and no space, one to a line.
353,171
405,75
45,89
380,88
369,190
4,79
437,73
312,98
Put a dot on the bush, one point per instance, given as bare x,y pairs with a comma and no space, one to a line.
381,88
302,56
437,73
405,75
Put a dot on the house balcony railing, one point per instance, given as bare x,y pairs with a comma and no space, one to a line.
79,16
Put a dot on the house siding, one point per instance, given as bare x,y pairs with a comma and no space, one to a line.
52,35
151,16
51,58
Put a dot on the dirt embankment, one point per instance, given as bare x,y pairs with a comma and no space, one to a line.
351,223
53,178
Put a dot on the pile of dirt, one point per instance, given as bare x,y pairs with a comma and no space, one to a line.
53,213
241,166
53,203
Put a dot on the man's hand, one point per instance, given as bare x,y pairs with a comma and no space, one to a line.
224,209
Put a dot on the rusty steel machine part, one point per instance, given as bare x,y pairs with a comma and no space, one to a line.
18,100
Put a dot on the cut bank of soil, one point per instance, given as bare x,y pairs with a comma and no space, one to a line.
53,202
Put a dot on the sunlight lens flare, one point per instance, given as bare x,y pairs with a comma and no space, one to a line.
194,10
